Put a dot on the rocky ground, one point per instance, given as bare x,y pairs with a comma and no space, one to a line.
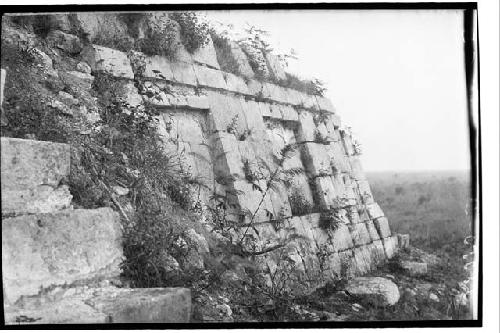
414,285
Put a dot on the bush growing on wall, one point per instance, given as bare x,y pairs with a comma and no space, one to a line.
194,34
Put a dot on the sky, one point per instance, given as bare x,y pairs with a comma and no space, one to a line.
396,77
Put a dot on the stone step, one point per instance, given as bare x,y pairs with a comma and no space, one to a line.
31,173
107,305
42,251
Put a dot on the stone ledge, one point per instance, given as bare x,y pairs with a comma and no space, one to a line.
44,250
27,164
109,305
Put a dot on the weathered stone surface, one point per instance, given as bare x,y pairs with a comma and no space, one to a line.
43,250
404,241
390,246
158,67
372,231
242,60
39,199
274,67
208,77
227,158
306,127
28,163
377,252
414,268
359,233
325,104
316,159
341,238
206,54
356,168
77,79
288,113
325,191
112,305
338,159
108,60
236,84
3,75
374,211
183,73
365,191
362,260
226,114
95,24
253,117
374,290
255,88
382,226
66,42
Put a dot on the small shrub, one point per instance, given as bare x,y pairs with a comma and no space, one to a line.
320,138
114,40
299,205
41,25
224,54
314,87
133,22
194,34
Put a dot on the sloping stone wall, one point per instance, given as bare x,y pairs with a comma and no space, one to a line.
224,126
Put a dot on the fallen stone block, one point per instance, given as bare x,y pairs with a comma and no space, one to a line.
44,250
206,54
403,241
376,291
27,164
414,268
382,225
110,61
40,199
208,77
110,305
390,246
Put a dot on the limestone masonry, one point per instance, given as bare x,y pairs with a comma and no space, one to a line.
224,128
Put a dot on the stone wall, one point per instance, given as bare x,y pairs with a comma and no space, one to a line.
225,127
231,133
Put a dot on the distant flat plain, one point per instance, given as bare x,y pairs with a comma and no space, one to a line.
434,207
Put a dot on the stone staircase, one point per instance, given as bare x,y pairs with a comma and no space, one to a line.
59,263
